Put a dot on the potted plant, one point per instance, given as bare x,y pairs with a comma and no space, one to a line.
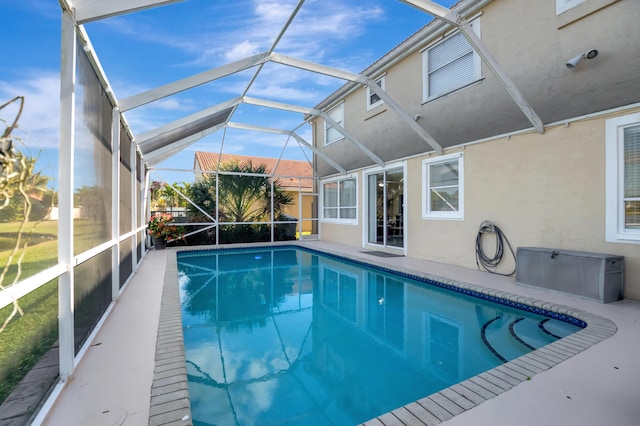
162,230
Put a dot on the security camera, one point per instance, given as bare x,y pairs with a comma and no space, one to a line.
591,54
573,62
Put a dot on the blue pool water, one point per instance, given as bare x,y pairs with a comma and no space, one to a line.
289,336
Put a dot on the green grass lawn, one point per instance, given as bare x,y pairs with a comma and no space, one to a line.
30,336
27,337
42,251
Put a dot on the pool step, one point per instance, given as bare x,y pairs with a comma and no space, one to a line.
508,337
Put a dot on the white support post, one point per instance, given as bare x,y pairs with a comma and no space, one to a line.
300,200
272,215
65,196
146,210
135,208
217,214
115,203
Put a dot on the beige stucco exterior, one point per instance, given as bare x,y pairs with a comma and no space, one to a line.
531,44
542,189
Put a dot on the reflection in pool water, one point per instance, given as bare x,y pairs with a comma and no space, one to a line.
290,336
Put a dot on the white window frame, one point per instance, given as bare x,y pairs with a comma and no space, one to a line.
477,65
456,346
615,230
380,81
427,213
564,5
340,280
337,115
350,221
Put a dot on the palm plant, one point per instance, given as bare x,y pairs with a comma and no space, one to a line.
245,195
242,193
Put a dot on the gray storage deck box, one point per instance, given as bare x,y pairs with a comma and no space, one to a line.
593,275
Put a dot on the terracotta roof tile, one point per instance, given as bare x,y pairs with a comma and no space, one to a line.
289,168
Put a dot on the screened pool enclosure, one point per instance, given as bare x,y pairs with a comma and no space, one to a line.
109,158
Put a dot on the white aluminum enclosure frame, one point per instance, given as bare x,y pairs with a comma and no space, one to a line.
150,150
91,10
67,260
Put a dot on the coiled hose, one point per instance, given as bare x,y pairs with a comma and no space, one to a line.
491,263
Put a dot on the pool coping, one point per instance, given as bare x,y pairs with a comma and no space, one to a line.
170,404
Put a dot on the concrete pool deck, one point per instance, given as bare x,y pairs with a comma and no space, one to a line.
597,386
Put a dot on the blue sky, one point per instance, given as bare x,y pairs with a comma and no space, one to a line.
145,49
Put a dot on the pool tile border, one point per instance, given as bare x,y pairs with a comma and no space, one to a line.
430,410
169,403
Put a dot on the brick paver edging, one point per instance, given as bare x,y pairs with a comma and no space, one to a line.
169,403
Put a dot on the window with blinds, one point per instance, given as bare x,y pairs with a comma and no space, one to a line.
332,135
450,65
622,179
631,167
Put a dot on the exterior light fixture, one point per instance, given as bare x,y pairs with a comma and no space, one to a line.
590,54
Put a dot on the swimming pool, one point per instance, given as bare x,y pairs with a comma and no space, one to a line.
292,336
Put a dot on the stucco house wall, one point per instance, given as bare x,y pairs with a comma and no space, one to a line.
542,190
525,40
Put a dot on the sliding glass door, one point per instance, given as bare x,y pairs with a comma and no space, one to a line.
385,208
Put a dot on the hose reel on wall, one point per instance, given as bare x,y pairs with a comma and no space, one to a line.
491,263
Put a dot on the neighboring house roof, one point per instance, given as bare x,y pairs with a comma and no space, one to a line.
290,170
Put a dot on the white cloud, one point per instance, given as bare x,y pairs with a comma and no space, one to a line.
40,120
242,50
318,33
173,104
